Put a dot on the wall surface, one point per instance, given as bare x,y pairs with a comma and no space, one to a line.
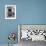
6,26
27,12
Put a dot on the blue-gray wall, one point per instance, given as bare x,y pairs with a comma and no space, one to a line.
27,12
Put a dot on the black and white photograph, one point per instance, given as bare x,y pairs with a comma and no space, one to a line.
10,11
31,34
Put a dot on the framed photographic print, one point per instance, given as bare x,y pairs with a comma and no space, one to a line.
33,32
10,11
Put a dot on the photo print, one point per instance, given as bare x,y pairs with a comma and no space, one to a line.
10,11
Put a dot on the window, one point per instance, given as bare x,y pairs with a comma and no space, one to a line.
10,11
